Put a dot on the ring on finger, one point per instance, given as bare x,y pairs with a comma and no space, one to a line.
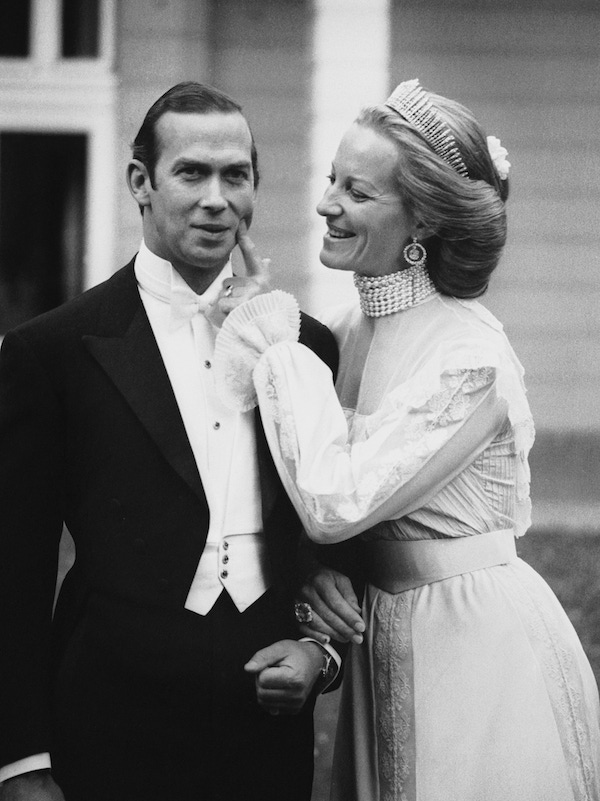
303,612
228,291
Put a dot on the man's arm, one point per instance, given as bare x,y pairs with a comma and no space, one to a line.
31,515
332,584
287,671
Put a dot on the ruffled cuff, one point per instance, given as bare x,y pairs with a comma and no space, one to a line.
245,335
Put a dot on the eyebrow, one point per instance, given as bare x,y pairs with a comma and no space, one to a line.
207,167
354,177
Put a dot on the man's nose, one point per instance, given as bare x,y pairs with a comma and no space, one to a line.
212,196
329,205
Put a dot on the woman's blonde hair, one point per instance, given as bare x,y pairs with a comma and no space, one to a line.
466,215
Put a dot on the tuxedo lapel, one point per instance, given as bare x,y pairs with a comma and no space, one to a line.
133,362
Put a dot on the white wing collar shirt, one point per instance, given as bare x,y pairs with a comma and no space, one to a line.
223,441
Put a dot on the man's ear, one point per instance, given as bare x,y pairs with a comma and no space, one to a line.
138,181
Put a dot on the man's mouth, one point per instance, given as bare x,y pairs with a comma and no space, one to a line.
213,228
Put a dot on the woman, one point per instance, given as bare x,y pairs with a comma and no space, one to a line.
470,683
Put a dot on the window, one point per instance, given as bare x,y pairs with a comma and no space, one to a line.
80,28
51,32
58,92
42,222
15,23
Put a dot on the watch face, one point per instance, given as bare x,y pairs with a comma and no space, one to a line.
329,667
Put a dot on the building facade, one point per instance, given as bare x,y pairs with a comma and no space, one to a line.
76,77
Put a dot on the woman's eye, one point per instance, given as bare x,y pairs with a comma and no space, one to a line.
331,178
356,195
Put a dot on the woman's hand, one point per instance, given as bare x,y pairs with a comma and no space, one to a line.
239,288
335,608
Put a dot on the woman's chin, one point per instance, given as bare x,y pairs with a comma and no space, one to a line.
332,263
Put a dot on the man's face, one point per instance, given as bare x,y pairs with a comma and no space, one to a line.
203,187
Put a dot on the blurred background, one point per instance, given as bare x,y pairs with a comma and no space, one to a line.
77,76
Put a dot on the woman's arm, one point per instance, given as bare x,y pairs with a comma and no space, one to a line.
345,476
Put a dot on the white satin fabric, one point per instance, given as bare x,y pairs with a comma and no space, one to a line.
473,688
470,687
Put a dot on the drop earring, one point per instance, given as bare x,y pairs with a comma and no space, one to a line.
415,254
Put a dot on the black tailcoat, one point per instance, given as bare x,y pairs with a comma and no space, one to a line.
91,435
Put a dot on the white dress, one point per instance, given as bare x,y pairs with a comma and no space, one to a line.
471,684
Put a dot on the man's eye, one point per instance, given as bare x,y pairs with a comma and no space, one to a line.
189,172
238,176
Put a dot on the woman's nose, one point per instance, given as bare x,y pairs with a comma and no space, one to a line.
329,206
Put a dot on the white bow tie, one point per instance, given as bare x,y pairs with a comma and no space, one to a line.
160,280
184,305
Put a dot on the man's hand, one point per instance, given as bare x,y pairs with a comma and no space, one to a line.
239,288
335,608
285,674
38,785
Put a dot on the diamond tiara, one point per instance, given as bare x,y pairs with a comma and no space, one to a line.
411,101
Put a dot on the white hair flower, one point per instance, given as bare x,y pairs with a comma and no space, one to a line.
499,154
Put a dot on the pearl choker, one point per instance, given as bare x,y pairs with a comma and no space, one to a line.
386,294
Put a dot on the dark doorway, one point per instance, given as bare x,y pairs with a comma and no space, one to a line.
42,222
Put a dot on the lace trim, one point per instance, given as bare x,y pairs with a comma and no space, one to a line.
246,334
393,669
557,664
420,437
452,403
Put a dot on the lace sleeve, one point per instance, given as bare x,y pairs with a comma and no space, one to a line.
246,333
345,473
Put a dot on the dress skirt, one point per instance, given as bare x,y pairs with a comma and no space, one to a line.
472,688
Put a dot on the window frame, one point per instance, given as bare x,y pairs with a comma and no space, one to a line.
46,93
45,42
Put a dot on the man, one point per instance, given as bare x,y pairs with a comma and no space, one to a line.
185,541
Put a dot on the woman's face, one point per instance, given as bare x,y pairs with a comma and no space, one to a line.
367,224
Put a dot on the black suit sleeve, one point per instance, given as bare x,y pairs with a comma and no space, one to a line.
319,339
31,450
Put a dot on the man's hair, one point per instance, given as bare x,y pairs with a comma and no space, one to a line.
188,97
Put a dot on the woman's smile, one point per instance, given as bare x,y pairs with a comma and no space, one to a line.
338,233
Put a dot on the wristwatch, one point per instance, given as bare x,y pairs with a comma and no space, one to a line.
328,670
